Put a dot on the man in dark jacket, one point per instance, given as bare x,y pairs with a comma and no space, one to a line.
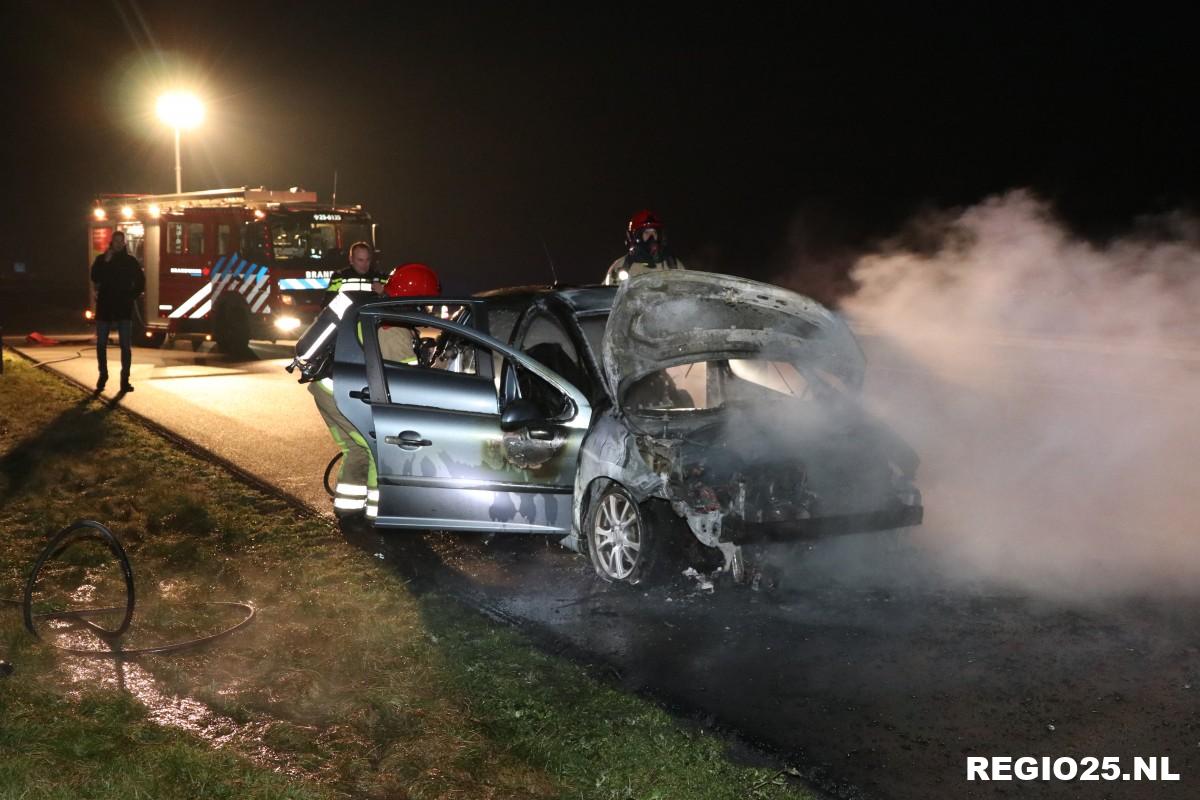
360,276
119,282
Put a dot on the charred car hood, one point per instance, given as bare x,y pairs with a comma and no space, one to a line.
669,317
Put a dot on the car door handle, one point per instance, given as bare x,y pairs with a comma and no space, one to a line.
408,440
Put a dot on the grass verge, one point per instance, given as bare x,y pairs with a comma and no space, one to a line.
348,684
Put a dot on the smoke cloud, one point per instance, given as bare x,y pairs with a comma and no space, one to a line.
1052,389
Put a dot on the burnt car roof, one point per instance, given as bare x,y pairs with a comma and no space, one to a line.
580,299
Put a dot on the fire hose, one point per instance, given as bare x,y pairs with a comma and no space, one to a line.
328,472
84,530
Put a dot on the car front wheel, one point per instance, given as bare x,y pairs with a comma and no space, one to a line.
621,545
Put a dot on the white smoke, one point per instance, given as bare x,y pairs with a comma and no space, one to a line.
1052,389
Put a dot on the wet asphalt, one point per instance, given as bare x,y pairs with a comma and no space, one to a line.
870,668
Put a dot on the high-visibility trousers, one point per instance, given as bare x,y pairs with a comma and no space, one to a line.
357,487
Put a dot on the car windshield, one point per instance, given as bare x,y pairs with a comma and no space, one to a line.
708,385
681,388
777,376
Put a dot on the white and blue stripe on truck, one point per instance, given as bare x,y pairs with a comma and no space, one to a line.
292,284
229,274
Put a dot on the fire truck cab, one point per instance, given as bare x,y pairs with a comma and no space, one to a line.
229,265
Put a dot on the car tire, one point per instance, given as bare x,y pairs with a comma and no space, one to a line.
623,543
231,324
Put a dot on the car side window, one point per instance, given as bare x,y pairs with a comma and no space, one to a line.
447,352
427,346
545,330
516,382
546,341
435,368
429,367
423,347
398,344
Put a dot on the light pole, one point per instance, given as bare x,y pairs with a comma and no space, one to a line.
180,110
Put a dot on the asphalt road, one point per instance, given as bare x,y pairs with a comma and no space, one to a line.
246,410
877,665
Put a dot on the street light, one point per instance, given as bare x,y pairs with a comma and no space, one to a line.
180,110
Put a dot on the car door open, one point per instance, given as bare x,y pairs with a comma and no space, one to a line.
455,452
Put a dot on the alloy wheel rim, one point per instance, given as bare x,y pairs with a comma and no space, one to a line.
618,537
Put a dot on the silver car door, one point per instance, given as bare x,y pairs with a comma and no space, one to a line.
443,460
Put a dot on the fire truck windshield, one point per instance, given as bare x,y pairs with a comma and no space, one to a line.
312,239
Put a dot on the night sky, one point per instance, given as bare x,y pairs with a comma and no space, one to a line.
766,136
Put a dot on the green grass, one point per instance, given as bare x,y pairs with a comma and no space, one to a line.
100,744
348,684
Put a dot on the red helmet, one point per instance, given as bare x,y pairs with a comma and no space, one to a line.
413,280
641,221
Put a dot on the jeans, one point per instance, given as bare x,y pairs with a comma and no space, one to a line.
124,336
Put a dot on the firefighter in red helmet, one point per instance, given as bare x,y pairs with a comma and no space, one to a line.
400,343
413,280
356,491
646,249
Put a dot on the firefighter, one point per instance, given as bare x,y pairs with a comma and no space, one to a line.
361,275
646,249
356,491
413,280
400,343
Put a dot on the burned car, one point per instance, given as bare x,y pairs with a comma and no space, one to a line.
679,406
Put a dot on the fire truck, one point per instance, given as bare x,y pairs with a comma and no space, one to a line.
229,265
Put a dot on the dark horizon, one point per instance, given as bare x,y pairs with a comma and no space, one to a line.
763,136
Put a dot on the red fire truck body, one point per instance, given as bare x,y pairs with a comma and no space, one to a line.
230,264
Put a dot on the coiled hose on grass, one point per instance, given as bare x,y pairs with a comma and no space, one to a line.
89,529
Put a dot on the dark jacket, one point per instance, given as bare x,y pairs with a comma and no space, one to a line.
348,280
119,281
